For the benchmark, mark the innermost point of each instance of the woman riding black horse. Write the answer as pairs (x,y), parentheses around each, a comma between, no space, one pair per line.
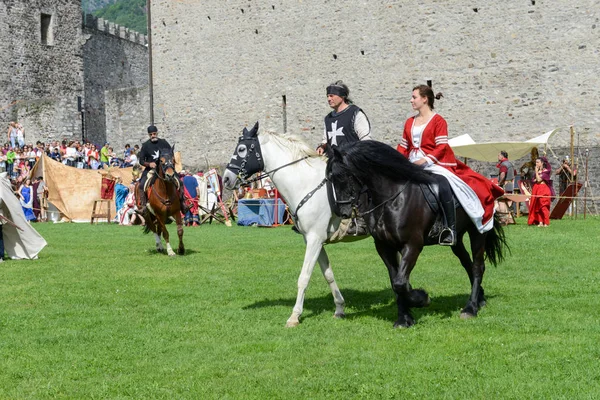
(402,221)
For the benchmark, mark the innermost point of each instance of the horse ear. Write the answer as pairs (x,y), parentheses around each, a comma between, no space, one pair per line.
(254,130)
(173,149)
(245,132)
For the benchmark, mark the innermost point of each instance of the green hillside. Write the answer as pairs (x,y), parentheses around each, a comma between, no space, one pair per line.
(89,6)
(128,13)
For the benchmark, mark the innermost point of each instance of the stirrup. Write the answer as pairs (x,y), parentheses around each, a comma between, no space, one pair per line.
(357,228)
(447,240)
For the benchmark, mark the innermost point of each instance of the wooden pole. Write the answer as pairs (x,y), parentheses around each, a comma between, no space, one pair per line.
(585,191)
(573,164)
(150,75)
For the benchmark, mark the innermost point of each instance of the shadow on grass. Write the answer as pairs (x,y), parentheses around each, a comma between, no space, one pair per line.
(379,304)
(188,252)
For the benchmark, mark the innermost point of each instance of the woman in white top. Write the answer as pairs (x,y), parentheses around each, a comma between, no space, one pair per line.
(21,135)
(12,134)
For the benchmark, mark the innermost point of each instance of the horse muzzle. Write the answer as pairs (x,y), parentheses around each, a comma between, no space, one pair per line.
(230,180)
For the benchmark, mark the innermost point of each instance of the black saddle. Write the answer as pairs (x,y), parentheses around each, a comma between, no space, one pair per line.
(432,193)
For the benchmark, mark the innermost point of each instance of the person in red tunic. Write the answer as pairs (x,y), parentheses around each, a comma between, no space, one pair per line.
(542,193)
(425,142)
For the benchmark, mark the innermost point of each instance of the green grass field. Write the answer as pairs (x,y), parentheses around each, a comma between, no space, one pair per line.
(101,315)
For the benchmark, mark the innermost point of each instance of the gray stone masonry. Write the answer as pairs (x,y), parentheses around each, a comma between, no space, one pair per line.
(115,58)
(40,82)
(127,112)
(44,72)
(509,70)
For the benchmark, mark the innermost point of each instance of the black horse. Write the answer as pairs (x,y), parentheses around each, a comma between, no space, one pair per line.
(401,221)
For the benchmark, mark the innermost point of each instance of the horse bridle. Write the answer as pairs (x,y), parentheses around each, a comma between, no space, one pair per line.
(354,200)
(254,148)
(163,166)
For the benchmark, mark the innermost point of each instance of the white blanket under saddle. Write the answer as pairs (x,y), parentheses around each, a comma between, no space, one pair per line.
(466,197)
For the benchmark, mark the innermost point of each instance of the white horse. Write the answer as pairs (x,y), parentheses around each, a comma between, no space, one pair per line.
(298,172)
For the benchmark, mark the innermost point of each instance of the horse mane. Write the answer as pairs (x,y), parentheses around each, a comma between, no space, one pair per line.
(166,151)
(295,144)
(369,157)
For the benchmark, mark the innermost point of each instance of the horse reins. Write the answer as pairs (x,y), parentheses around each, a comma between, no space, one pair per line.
(307,198)
(304,200)
(364,190)
(246,183)
(384,202)
(166,202)
(266,174)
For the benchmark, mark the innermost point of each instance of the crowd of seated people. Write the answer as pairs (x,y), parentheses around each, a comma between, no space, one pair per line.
(18,158)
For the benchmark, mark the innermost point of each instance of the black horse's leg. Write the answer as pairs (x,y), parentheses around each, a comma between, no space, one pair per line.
(399,276)
(463,255)
(477,299)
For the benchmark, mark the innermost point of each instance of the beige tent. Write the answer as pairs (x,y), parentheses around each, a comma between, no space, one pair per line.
(72,190)
(465,146)
(22,240)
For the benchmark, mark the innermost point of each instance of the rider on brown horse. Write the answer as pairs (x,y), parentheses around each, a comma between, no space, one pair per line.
(148,157)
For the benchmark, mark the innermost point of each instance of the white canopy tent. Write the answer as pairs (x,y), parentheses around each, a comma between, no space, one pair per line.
(465,146)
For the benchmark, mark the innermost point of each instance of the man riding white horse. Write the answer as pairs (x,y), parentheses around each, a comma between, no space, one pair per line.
(148,157)
(344,125)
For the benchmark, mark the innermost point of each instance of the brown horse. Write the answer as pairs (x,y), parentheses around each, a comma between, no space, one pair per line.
(163,203)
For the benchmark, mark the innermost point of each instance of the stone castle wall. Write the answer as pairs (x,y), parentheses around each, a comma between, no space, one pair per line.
(42,85)
(115,58)
(40,82)
(127,115)
(508,70)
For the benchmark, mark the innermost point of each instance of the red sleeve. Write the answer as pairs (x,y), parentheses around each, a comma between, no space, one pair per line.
(503,168)
(441,153)
(405,144)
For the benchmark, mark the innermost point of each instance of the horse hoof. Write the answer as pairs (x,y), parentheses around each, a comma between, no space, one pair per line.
(339,315)
(407,323)
(466,315)
(292,324)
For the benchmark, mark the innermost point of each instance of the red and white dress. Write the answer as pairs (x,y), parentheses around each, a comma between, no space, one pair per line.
(475,193)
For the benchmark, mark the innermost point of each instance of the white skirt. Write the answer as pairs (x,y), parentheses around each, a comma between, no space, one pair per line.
(466,197)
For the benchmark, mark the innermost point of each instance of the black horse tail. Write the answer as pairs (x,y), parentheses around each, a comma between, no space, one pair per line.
(495,243)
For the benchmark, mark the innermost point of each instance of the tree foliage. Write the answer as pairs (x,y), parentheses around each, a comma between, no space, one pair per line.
(128,13)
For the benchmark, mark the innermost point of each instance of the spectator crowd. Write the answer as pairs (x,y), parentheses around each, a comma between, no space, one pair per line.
(18,158)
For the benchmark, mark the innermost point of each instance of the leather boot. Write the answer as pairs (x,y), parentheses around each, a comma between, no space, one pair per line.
(184,207)
(141,200)
(448,234)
